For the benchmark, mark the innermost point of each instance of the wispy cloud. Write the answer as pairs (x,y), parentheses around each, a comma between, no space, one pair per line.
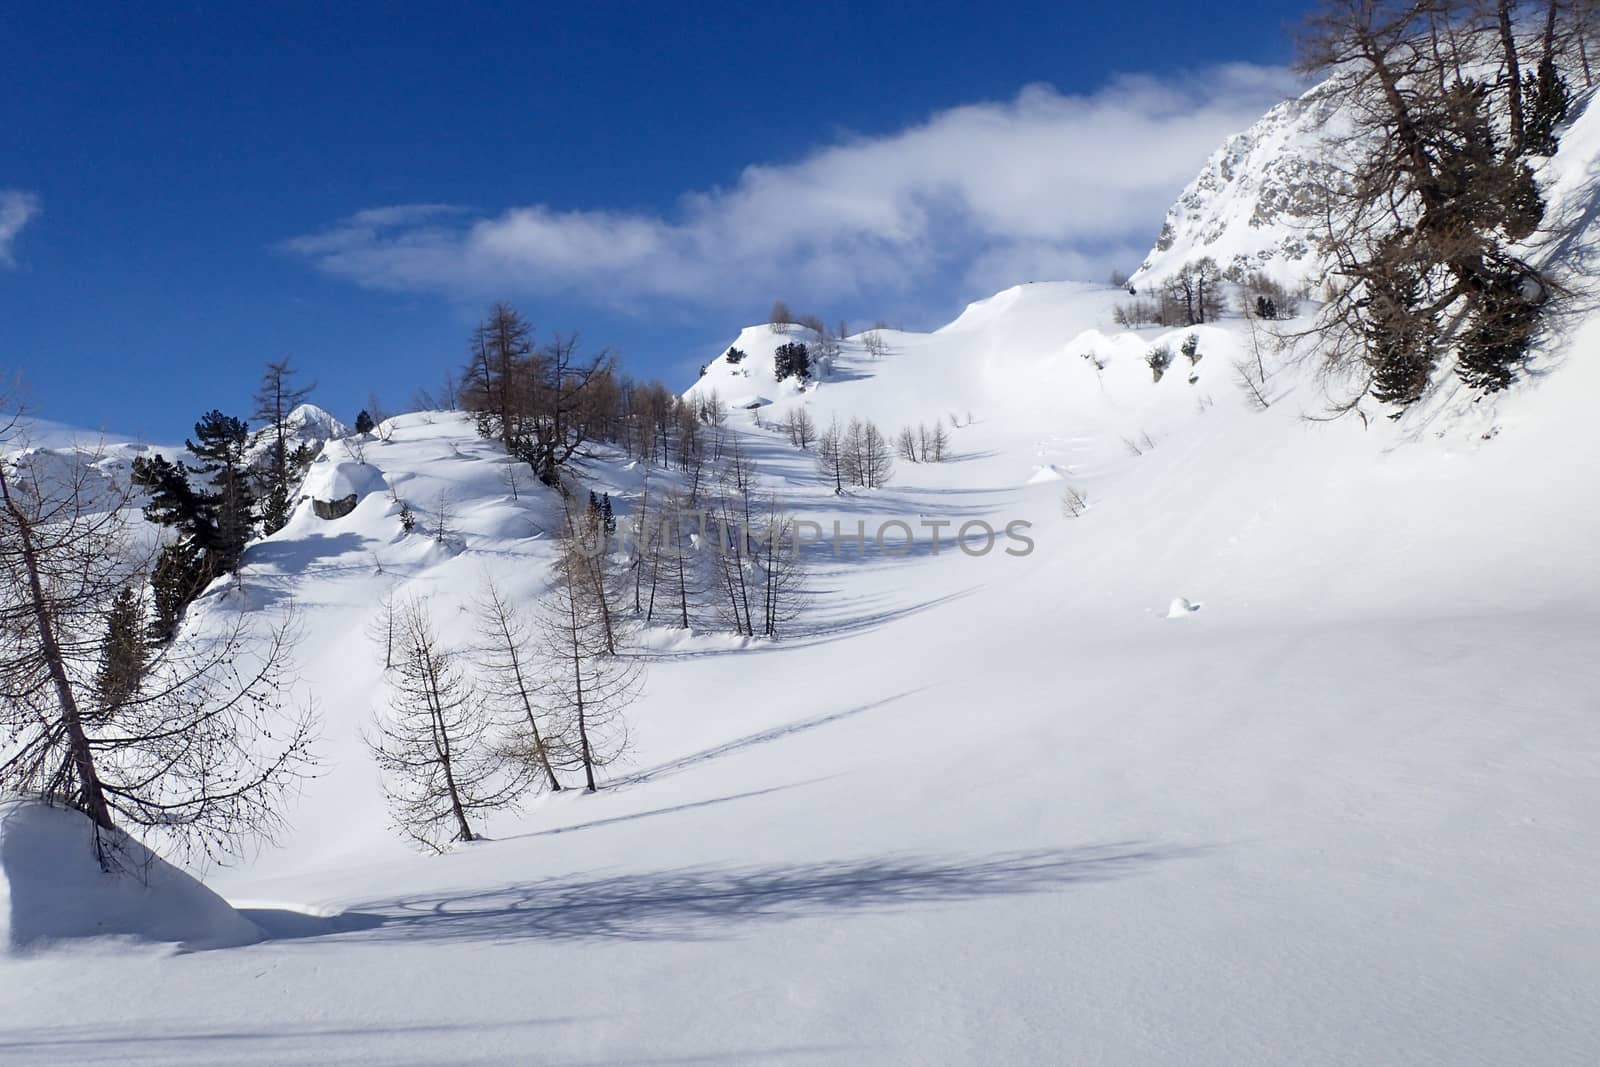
(1045,185)
(17,209)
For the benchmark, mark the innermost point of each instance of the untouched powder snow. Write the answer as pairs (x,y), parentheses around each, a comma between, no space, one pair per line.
(973,808)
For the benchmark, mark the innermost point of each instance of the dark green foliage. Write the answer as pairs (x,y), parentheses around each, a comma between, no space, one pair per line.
(608,518)
(1191,348)
(1266,308)
(213,526)
(123,653)
(1546,101)
(734,356)
(792,359)
(219,446)
(1158,359)
(179,576)
(1400,331)
(364,423)
(1500,327)
(408,518)
(173,501)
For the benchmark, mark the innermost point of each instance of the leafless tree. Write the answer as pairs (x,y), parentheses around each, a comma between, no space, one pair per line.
(435,742)
(1429,199)
(905,444)
(780,567)
(513,683)
(800,427)
(1073,503)
(831,457)
(1196,291)
(201,751)
(275,398)
(780,318)
(588,687)
(735,545)
(874,465)
(443,512)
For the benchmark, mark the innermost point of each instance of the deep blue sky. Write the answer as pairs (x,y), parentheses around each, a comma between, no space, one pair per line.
(173,149)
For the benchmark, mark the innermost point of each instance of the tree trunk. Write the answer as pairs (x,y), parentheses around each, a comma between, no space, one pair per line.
(1508,42)
(93,798)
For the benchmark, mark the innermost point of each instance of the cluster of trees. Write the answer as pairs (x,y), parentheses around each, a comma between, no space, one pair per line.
(923,444)
(193,739)
(1196,294)
(720,551)
(539,694)
(547,405)
(792,359)
(1452,101)
(855,454)
(217,505)
(800,428)
(828,341)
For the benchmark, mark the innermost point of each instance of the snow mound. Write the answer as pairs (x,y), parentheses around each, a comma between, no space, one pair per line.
(52,889)
(1181,607)
(1048,472)
(330,480)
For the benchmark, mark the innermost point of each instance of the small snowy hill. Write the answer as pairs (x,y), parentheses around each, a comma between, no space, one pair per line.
(1284,749)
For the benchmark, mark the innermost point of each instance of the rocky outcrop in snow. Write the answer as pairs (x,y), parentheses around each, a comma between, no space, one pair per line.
(1254,206)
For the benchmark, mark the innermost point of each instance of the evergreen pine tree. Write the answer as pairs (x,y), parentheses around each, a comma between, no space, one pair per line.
(792,359)
(180,574)
(123,653)
(364,423)
(608,518)
(219,447)
(1546,99)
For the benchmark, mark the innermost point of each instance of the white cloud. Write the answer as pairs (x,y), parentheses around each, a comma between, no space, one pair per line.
(17,209)
(1046,185)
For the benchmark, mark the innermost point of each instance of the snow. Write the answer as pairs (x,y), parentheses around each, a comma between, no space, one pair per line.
(975,809)
(52,888)
(1181,608)
(329,479)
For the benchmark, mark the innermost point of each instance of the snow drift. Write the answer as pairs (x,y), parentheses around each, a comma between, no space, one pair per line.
(52,888)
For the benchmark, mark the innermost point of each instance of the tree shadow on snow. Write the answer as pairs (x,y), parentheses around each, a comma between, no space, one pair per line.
(710,903)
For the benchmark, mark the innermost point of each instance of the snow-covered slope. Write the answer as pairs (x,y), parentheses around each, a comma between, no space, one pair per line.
(976,808)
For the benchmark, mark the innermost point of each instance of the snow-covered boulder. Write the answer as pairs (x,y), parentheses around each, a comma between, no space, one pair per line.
(52,888)
(336,488)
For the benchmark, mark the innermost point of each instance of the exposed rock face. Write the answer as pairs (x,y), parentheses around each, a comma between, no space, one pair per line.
(335,509)
(1256,204)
